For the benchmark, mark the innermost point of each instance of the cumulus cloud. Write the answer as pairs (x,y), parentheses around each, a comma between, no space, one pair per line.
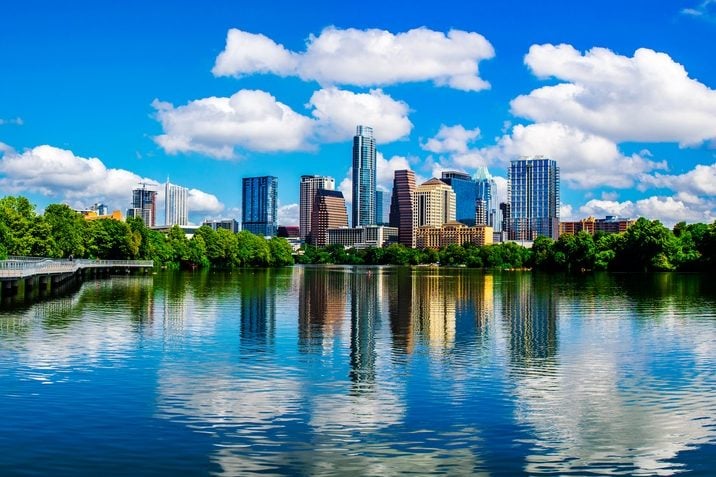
(451,139)
(254,120)
(647,97)
(668,210)
(339,111)
(81,181)
(700,181)
(369,57)
(288,214)
(215,126)
(585,160)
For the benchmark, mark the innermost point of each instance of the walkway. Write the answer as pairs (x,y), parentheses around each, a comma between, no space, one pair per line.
(23,267)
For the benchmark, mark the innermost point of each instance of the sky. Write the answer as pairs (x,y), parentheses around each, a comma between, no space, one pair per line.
(97,97)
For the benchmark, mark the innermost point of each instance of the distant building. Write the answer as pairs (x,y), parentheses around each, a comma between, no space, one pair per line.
(289,231)
(533,186)
(380,208)
(227,224)
(363,237)
(452,233)
(402,206)
(175,204)
(144,205)
(100,208)
(189,230)
(610,224)
(91,214)
(465,189)
(310,185)
(487,192)
(434,203)
(329,211)
(364,177)
(260,205)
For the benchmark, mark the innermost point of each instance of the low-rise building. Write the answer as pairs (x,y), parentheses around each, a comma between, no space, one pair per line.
(611,224)
(228,224)
(453,233)
(363,237)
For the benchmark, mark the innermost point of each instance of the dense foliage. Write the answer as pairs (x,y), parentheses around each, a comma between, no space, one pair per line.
(61,233)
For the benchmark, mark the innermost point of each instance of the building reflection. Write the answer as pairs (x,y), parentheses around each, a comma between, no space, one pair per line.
(321,308)
(529,310)
(400,310)
(258,309)
(364,295)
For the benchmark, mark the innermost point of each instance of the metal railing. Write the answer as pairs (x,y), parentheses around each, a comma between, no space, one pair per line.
(20,267)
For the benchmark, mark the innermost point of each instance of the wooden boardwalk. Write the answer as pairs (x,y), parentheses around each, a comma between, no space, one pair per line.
(23,267)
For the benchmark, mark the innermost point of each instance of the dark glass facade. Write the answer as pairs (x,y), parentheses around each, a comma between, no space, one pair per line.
(465,195)
(364,168)
(259,198)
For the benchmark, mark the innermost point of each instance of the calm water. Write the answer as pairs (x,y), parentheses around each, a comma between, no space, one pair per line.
(363,371)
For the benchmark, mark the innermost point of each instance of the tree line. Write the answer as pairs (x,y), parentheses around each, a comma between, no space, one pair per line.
(60,232)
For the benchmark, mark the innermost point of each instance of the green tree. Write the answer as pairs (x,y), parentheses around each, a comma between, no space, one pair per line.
(281,252)
(67,229)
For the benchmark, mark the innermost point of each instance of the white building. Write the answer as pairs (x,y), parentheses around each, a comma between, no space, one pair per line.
(175,205)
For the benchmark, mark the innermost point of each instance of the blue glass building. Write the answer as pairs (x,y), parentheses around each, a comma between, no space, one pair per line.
(533,186)
(364,167)
(465,195)
(487,194)
(259,199)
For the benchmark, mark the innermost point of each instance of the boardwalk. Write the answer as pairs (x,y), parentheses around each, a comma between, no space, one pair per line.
(24,267)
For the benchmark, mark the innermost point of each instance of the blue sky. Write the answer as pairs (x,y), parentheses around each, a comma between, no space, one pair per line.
(96,97)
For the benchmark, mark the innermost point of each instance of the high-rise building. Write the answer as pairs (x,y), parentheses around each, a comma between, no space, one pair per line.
(465,195)
(380,207)
(533,186)
(329,211)
(364,171)
(402,205)
(144,205)
(434,203)
(260,205)
(175,204)
(486,190)
(310,184)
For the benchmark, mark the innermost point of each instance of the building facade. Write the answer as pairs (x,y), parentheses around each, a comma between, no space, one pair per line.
(402,205)
(465,189)
(486,191)
(364,177)
(310,185)
(259,198)
(610,224)
(175,204)
(329,211)
(144,205)
(434,203)
(452,233)
(227,224)
(380,208)
(362,237)
(533,187)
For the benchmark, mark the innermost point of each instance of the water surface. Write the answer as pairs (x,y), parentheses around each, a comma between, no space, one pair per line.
(363,371)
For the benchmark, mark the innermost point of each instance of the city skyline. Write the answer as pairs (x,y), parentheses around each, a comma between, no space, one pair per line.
(626,109)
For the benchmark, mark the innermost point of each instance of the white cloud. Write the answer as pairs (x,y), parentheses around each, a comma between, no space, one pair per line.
(288,214)
(346,187)
(369,57)
(700,181)
(565,212)
(56,172)
(585,160)
(648,97)
(385,169)
(14,121)
(451,139)
(706,9)
(668,210)
(248,53)
(339,111)
(214,126)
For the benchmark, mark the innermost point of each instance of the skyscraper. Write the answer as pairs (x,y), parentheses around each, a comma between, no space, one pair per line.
(175,204)
(310,185)
(434,203)
(259,205)
(329,211)
(487,191)
(144,205)
(533,186)
(465,195)
(364,168)
(379,199)
(402,205)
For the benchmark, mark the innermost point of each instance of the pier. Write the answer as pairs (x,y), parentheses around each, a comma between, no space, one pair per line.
(25,278)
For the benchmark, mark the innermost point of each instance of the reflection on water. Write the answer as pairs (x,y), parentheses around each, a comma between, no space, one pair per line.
(363,370)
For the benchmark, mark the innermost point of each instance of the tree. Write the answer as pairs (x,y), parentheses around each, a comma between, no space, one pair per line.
(66,229)
(281,252)
(648,245)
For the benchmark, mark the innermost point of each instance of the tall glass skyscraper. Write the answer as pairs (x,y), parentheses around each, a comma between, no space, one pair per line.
(259,198)
(487,193)
(144,205)
(533,186)
(465,195)
(175,204)
(364,167)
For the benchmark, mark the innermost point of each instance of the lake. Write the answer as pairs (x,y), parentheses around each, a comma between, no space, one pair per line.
(363,371)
